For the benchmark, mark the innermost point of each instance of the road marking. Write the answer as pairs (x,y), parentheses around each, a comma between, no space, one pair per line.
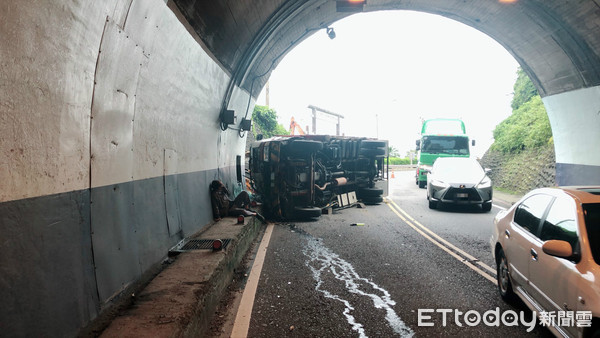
(499,207)
(421,229)
(326,264)
(448,244)
(242,319)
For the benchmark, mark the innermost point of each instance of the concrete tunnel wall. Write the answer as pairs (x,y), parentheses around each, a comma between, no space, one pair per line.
(110,137)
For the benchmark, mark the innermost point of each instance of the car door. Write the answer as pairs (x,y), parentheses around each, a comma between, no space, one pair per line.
(520,235)
(553,280)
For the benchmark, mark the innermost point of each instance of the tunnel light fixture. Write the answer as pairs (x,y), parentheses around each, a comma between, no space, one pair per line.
(350,5)
(246,124)
(330,33)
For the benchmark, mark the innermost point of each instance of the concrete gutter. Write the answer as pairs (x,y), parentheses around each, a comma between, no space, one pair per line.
(182,299)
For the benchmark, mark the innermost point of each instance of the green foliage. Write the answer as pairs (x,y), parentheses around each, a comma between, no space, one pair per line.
(393,151)
(266,120)
(528,127)
(524,90)
(399,160)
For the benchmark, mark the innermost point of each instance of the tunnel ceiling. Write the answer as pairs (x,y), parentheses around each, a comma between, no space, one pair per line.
(557,42)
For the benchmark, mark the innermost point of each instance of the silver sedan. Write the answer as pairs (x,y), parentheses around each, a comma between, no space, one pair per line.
(459,180)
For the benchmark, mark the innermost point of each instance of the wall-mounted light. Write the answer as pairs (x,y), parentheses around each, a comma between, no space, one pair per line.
(246,124)
(330,33)
(350,5)
(226,118)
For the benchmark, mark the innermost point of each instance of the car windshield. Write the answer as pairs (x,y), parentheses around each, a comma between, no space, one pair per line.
(456,169)
(592,223)
(446,145)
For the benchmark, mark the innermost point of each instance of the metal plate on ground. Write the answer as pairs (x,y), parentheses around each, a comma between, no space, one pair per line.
(197,244)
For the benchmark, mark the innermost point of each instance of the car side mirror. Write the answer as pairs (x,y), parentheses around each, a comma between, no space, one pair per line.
(557,248)
(473,143)
(418,143)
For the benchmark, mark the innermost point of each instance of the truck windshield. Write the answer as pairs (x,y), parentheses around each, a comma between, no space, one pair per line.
(446,145)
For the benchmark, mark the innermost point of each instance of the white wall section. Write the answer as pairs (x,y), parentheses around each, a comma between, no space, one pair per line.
(575,120)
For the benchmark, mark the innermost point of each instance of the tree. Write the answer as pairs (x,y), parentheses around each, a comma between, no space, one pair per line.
(528,126)
(266,120)
(393,151)
(524,90)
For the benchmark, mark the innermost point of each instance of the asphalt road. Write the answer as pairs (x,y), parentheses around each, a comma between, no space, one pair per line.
(331,279)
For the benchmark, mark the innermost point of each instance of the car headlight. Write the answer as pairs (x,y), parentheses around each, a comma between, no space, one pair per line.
(485,183)
(439,184)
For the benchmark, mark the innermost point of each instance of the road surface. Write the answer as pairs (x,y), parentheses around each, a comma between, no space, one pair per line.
(408,271)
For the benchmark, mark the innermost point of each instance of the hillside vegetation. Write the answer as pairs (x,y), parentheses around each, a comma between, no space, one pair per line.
(522,155)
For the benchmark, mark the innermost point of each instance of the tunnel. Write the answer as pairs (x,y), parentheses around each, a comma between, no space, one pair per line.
(116,115)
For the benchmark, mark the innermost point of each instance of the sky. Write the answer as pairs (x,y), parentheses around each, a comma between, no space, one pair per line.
(386,71)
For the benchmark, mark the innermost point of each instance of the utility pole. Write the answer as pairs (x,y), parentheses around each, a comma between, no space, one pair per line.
(314,118)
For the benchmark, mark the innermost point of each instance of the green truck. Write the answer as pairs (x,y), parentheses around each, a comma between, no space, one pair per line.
(440,138)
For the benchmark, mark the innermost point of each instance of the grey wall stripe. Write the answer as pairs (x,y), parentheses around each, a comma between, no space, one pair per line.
(47,282)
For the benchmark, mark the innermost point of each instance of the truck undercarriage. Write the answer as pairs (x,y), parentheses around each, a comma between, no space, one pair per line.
(297,177)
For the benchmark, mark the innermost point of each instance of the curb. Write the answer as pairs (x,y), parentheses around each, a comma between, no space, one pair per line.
(220,280)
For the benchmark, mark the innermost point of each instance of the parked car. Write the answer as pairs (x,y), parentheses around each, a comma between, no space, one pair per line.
(459,180)
(547,251)
(296,177)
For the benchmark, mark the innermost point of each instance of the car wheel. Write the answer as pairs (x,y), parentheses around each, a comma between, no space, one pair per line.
(432,204)
(503,277)
(422,184)
(486,206)
(372,200)
(307,212)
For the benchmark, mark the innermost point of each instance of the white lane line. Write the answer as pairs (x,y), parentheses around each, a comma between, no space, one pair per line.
(242,318)
(499,207)
(448,244)
(324,263)
(450,252)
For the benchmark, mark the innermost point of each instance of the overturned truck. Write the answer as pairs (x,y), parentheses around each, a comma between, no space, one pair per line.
(297,177)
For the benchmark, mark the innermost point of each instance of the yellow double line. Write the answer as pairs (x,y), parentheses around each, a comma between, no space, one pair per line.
(452,250)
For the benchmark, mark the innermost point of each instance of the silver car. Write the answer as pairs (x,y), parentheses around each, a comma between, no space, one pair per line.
(459,180)
(547,251)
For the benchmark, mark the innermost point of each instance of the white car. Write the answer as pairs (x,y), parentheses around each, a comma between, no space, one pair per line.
(547,251)
(459,180)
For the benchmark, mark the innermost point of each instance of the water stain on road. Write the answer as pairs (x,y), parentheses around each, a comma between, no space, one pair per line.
(325,265)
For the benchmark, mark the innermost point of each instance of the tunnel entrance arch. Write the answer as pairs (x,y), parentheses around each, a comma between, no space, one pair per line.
(557,44)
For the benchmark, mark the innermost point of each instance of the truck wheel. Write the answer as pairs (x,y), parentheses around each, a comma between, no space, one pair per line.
(372,200)
(486,206)
(422,184)
(372,152)
(372,144)
(303,213)
(304,147)
(370,192)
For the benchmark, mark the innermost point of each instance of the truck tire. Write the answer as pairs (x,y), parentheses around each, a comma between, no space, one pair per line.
(303,213)
(369,144)
(372,200)
(370,192)
(422,184)
(304,147)
(372,152)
